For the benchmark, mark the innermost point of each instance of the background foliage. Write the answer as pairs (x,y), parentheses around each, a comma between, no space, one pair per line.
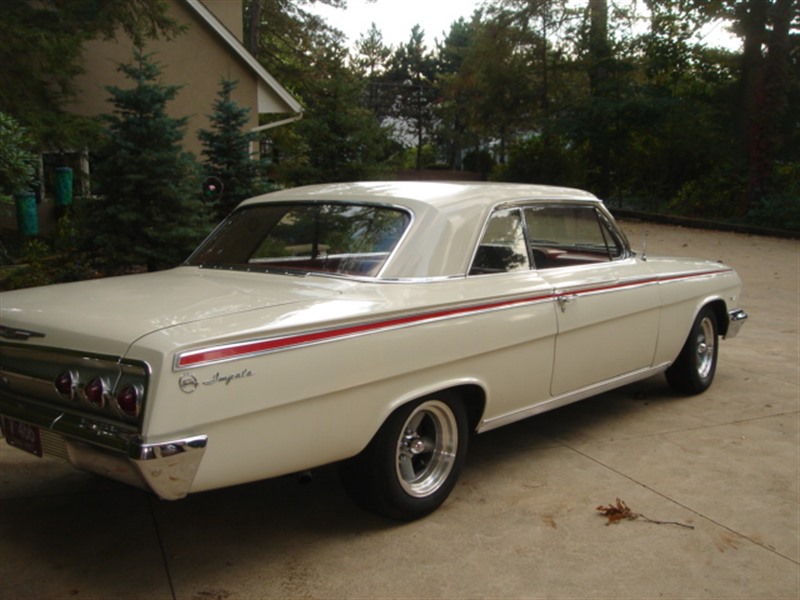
(226,153)
(625,98)
(151,214)
(17,159)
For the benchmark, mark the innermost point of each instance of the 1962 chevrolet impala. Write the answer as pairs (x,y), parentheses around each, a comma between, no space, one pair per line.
(372,324)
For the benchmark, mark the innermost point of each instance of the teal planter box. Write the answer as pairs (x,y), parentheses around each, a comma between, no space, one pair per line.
(63,186)
(27,213)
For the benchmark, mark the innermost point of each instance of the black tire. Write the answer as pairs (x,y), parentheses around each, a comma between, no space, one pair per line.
(693,370)
(412,464)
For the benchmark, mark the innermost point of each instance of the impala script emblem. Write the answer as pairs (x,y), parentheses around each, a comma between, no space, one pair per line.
(189,383)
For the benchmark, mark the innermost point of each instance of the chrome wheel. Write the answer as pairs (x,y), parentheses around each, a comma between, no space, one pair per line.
(426,450)
(706,347)
(694,368)
(413,462)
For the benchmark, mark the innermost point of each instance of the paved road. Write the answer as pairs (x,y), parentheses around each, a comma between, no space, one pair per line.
(522,521)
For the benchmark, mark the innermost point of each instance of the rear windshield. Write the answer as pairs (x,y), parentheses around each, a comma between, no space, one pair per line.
(300,238)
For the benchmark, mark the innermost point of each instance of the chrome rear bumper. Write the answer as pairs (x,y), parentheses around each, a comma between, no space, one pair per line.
(166,468)
(101,439)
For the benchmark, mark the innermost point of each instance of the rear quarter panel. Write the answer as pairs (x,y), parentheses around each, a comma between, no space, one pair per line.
(303,406)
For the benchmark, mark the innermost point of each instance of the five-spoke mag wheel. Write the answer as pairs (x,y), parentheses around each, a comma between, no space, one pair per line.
(427,448)
(413,462)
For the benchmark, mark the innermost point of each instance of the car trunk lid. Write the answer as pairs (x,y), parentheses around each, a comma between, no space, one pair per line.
(106,315)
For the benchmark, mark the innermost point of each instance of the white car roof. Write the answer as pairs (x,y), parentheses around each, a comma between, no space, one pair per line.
(448,216)
(434,193)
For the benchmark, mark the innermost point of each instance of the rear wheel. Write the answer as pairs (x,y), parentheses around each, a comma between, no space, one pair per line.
(413,462)
(693,370)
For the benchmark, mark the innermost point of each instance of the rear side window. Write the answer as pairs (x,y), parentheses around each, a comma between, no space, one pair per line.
(502,247)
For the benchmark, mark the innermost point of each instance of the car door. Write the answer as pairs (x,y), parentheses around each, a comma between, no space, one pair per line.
(607,306)
(519,312)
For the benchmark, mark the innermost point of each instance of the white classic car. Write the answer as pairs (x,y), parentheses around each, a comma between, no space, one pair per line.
(374,324)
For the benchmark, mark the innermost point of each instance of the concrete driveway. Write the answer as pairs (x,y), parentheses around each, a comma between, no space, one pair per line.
(522,522)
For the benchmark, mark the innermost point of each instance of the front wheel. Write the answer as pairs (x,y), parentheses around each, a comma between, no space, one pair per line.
(413,462)
(693,370)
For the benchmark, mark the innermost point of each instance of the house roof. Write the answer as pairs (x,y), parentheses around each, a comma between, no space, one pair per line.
(266,82)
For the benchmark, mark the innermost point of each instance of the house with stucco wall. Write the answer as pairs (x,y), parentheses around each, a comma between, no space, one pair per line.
(210,48)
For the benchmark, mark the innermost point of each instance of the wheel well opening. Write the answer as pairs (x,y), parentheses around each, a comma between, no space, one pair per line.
(474,399)
(721,313)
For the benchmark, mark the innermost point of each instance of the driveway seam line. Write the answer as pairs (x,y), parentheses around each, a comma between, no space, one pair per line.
(691,510)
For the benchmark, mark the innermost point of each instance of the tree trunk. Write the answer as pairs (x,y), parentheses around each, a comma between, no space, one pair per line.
(751,135)
(253,26)
(765,82)
(598,71)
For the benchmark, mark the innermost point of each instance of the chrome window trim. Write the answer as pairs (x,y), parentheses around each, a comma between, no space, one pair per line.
(602,214)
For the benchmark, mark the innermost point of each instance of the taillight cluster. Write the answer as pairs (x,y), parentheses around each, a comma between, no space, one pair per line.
(97,393)
(66,383)
(129,400)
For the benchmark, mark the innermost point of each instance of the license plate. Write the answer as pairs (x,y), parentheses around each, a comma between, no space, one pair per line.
(23,436)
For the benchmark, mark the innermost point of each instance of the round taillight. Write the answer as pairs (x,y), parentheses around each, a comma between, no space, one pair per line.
(129,400)
(65,384)
(95,392)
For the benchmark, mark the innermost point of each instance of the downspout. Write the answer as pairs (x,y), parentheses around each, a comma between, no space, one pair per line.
(268,126)
(261,128)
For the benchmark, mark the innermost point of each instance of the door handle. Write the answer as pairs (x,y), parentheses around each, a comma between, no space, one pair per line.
(565,299)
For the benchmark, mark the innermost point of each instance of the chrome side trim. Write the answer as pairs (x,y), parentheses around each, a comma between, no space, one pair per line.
(12,333)
(736,319)
(202,357)
(217,354)
(570,397)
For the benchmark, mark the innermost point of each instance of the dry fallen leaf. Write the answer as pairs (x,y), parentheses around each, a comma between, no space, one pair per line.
(619,511)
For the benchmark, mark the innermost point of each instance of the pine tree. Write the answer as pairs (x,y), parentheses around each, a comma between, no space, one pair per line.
(149,212)
(41,50)
(226,148)
(17,162)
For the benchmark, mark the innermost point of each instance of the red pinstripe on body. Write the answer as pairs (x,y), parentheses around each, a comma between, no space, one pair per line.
(203,356)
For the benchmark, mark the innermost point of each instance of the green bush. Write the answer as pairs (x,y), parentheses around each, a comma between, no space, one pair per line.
(713,196)
(17,161)
(781,209)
